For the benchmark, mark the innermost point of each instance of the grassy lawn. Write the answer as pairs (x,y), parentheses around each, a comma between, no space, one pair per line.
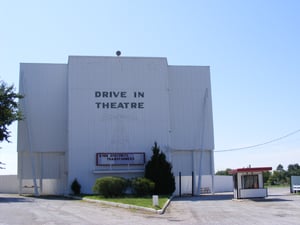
(132,200)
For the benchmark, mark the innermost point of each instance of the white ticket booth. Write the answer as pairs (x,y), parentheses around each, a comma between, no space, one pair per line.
(248,182)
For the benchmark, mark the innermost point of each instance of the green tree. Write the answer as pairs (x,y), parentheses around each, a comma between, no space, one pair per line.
(9,110)
(293,170)
(159,170)
(279,167)
(266,176)
(223,172)
(2,164)
(279,176)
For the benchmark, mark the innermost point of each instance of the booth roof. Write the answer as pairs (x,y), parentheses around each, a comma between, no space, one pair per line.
(254,169)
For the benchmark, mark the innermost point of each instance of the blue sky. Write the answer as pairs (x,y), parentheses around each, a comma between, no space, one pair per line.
(252,48)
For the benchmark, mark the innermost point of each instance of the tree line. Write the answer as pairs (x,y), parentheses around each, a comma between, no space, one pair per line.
(280,176)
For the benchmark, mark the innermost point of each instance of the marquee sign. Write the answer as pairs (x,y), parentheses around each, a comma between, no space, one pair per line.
(120,158)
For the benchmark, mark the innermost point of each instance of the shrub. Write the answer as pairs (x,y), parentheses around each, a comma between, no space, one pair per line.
(110,186)
(76,187)
(142,186)
(159,170)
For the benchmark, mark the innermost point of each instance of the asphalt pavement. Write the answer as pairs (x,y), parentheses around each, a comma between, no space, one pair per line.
(280,207)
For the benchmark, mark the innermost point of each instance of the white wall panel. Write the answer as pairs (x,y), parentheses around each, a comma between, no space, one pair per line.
(9,184)
(44,87)
(223,183)
(93,129)
(190,108)
(46,165)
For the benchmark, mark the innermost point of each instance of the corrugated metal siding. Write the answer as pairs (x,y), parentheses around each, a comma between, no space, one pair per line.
(49,165)
(190,108)
(44,106)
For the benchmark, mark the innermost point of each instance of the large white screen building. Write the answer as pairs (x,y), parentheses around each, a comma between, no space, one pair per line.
(100,116)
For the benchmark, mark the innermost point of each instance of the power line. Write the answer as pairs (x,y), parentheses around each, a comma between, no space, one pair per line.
(261,144)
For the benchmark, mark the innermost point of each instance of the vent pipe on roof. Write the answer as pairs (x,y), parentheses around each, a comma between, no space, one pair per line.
(118,53)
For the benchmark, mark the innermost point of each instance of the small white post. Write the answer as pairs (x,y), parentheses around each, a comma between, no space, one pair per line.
(155,200)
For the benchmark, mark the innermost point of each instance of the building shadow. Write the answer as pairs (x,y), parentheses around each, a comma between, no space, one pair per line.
(58,197)
(206,197)
(14,199)
(270,200)
(6,198)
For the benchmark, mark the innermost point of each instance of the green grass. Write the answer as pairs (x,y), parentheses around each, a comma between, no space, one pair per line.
(131,200)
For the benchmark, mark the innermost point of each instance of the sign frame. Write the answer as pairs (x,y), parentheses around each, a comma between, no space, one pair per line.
(116,158)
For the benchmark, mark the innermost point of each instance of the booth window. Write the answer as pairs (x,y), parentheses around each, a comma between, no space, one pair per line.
(250,181)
